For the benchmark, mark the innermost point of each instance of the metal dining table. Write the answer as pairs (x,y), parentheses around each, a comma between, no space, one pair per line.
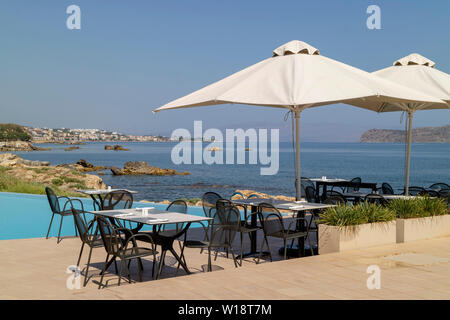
(296,207)
(98,195)
(324,183)
(156,218)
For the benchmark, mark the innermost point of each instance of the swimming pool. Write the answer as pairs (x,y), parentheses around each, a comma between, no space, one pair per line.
(28,216)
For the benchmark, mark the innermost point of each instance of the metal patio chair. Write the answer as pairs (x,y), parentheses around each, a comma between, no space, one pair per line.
(375,198)
(87,237)
(386,188)
(273,225)
(55,206)
(439,186)
(116,243)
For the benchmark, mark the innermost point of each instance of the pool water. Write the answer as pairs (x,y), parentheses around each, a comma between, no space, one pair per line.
(28,216)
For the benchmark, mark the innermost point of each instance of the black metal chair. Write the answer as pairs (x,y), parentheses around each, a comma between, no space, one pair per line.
(430,193)
(415,191)
(445,194)
(55,206)
(85,231)
(116,243)
(237,195)
(274,226)
(222,231)
(335,199)
(121,199)
(244,227)
(439,186)
(386,188)
(336,196)
(375,198)
(356,188)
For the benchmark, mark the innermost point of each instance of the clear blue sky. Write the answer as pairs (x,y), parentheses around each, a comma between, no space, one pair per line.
(133,56)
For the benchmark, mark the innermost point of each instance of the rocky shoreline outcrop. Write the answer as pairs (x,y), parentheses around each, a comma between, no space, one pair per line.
(65,178)
(143,168)
(116,147)
(19,146)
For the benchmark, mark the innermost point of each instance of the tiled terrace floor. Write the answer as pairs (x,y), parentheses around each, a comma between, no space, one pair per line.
(36,269)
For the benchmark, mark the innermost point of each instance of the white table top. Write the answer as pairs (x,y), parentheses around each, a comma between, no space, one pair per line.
(102,191)
(328,180)
(284,204)
(153,217)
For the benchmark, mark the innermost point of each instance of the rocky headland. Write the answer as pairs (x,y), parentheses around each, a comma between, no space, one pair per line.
(425,134)
(7,146)
(40,174)
(143,168)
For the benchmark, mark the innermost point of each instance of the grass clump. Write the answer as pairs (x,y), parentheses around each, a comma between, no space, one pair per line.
(57,182)
(418,207)
(192,200)
(344,215)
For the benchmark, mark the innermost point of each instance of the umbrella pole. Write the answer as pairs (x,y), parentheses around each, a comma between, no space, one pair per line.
(408,152)
(297,156)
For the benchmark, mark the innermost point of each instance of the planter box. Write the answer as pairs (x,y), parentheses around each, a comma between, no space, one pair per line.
(336,239)
(423,228)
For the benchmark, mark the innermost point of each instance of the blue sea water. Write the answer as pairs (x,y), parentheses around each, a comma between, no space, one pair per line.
(430,162)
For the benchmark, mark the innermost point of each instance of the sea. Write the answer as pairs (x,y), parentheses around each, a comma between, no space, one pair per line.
(373,162)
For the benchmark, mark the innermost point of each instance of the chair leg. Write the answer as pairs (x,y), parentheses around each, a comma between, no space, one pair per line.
(234,257)
(51,221)
(59,232)
(242,247)
(181,257)
(103,271)
(268,248)
(79,256)
(128,271)
(209,260)
(140,269)
(285,249)
(87,267)
(122,262)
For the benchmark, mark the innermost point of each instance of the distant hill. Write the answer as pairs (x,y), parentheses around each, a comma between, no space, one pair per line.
(13,132)
(425,134)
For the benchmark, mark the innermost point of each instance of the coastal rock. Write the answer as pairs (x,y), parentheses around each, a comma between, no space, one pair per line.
(84,163)
(19,146)
(246,193)
(142,167)
(116,147)
(63,177)
(71,148)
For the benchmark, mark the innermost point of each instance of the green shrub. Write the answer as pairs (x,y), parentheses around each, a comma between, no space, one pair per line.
(57,182)
(13,132)
(344,215)
(418,207)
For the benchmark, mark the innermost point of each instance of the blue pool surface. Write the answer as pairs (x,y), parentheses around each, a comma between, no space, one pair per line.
(28,216)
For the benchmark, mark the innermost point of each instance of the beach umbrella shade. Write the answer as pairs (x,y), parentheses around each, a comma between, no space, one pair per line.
(298,77)
(419,73)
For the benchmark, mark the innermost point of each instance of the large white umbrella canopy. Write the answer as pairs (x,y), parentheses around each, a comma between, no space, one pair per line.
(419,73)
(297,77)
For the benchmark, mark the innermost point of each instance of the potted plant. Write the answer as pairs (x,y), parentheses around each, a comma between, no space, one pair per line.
(421,218)
(351,227)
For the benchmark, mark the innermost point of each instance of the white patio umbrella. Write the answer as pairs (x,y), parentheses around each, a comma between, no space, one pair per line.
(417,72)
(297,77)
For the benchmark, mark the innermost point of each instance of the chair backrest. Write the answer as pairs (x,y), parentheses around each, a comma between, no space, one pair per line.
(179,206)
(237,195)
(375,198)
(110,236)
(120,199)
(439,186)
(253,196)
(81,226)
(52,200)
(336,200)
(310,194)
(430,193)
(356,188)
(445,194)
(209,200)
(334,197)
(386,188)
(225,224)
(271,219)
(306,182)
(416,191)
